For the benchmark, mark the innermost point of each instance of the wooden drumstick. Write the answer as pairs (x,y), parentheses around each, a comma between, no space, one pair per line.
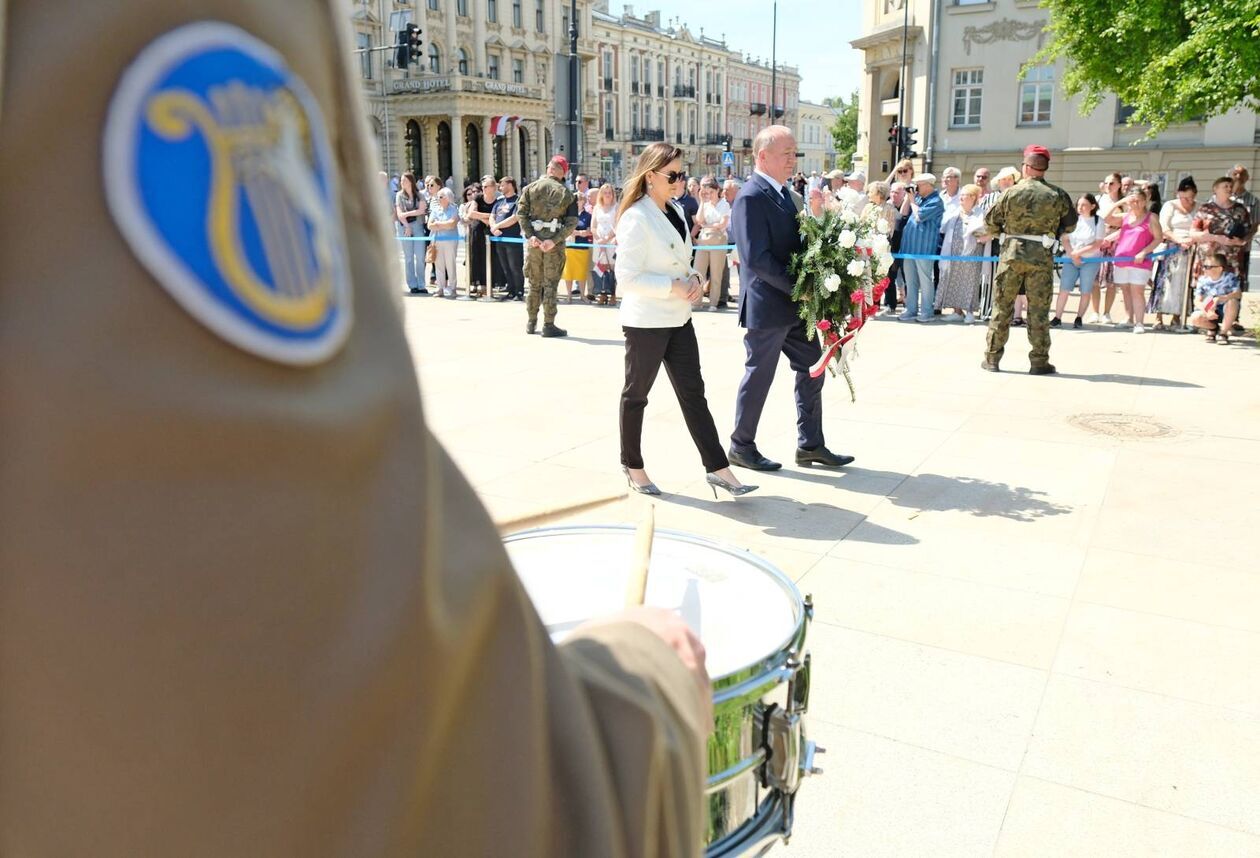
(636,587)
(542,516)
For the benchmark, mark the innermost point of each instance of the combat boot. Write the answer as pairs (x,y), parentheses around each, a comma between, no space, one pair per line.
(1042,369)
(531,326)
(989,364)
(550,330)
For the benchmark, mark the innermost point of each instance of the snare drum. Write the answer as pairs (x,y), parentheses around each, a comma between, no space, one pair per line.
(752,621)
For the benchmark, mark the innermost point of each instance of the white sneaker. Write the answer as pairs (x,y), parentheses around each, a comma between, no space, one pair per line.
(969,318)
(1106,319)
(1138,329)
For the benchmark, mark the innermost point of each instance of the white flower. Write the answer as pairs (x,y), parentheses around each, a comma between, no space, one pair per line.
(856,267)
(879,244)
(882,266)
(848,238)
(831,283)
(881,226)
(863,242)
(847,216)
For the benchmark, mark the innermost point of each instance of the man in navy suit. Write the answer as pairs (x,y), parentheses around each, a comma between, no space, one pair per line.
(763,221)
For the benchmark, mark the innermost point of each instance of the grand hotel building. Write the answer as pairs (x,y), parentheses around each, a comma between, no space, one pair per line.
(501,66)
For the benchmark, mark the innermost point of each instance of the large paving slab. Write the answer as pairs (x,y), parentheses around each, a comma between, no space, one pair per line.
(1038,598)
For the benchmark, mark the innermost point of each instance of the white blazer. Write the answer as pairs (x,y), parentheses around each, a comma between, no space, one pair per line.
(651,255)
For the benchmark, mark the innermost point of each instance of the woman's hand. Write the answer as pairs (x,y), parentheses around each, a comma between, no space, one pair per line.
(689,290)
(1140,256)
(407,231)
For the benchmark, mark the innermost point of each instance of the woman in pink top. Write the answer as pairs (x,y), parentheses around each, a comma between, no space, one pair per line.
(1138,235)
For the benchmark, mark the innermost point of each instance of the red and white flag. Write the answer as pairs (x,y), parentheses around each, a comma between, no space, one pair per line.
(500,125)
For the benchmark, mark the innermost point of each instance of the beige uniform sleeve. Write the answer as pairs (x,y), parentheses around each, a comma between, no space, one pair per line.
(250,609)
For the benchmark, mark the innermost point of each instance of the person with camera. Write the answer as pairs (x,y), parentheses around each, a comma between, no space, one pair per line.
(1221,225)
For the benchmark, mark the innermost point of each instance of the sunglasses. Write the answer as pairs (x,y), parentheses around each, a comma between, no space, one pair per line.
(672,176)
(1213,268)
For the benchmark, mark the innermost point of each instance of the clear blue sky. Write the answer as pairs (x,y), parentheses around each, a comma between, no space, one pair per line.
(814,35)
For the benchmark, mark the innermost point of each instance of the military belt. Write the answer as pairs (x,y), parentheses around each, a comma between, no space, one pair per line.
(1044,240)
(545,224)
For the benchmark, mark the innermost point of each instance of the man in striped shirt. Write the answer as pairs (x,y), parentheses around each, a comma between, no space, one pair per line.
(920,236)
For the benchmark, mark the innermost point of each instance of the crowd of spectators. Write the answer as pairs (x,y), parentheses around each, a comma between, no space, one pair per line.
(927,217)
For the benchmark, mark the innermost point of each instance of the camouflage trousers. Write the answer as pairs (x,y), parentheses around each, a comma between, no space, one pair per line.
(1037,281)
(543,270)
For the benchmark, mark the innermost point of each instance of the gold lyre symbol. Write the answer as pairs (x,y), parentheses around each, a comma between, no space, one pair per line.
(258,145)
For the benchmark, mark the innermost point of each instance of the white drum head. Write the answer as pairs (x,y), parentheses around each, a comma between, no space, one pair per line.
(742,608)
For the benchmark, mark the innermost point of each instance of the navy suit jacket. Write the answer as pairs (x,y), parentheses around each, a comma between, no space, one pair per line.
(766,234)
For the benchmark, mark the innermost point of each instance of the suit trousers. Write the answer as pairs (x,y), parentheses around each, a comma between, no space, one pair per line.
(762,347)
(511,259)
(677,349)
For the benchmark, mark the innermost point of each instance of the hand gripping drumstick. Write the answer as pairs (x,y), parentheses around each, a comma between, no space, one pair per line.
(636,587)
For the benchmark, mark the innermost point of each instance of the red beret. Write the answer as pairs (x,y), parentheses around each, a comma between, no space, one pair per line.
(561,162)
(1037,150)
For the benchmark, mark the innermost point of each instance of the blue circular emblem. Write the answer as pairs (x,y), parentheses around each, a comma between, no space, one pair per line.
(219,174)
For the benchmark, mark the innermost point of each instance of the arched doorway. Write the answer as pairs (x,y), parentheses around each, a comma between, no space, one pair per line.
(415,149)
(500,156)
(527,170)
(472,151)
(444,151)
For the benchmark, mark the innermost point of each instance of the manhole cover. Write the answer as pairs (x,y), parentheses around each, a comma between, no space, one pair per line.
(1122,425)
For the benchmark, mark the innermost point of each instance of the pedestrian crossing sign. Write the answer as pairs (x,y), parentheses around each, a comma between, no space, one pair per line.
(728,159)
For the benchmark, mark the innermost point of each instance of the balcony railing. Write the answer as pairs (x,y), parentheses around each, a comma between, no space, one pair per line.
(607,84)
(708,98)
(778,113)
(650,134)
(717,99)
(691,138)
(716,139)
(634,87)
(684,91)
(660,90)
(747,141)
(678,137)
(757,108)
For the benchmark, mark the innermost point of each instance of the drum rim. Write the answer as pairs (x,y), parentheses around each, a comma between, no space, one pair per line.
(793,643)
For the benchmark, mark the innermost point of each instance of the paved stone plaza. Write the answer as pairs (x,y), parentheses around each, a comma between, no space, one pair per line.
(1038,598)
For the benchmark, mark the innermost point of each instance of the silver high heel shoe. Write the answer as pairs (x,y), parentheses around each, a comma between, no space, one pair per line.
(649,489)
(715,482)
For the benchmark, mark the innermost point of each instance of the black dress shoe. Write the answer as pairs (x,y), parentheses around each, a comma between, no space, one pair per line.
(550,330)
(821,456)
(754,461)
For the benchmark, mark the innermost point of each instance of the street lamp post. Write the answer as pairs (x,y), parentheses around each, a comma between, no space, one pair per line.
(574,112)
(774,65)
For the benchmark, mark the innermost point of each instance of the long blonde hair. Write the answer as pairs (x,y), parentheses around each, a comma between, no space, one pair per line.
(653,158)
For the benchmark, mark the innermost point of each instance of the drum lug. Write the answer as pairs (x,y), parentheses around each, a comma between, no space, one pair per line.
(809,607)
(798,685)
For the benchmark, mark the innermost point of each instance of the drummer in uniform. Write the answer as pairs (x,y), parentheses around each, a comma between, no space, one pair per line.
(548,215)
(250,607)
(1027,219)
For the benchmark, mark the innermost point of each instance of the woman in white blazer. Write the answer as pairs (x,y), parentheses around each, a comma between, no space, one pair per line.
(658,286)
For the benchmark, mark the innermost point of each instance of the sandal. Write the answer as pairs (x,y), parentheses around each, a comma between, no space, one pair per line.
(1211,336)
(1223,338)
(1159,326)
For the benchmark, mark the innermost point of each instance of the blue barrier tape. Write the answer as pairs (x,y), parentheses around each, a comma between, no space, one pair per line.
(1088,259)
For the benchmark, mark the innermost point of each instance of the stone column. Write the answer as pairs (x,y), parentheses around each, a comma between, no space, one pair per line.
(479,36)
(487,148)
(452,39)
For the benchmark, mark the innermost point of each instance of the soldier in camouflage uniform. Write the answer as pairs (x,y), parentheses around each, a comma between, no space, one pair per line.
(548,215)
(1028,217)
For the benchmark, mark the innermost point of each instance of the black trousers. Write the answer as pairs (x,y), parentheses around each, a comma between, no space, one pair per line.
(511,259)
(677,349)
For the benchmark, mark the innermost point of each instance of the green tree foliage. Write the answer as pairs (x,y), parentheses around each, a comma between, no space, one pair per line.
(845,129)
(1171,60)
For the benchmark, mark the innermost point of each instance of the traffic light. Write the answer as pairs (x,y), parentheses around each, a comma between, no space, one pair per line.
(409,42)
(908,142)
(894,135)
(726,144)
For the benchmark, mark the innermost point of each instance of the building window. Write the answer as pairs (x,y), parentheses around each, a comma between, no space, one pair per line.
(608,65)
(968,84)
(435,59)
(660,119)
(516,13)
(1036,96)
(492,11)
(461,8)
(538,16)
(542,72)
(634,116)
(363,41)
(461,61)
(492,66)
(433,4)
(518,71)
(608,113)
(634,69)
(660,73)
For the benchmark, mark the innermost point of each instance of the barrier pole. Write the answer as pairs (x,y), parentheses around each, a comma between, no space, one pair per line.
(489,296)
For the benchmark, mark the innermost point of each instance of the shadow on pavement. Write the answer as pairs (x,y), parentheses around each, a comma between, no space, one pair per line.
(793,519)
(934,492)
(591,342)
(1109,378)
